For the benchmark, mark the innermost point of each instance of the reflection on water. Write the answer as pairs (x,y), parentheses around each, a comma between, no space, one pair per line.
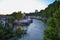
(35,31)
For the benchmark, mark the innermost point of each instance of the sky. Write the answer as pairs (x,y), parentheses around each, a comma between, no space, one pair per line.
(9,6)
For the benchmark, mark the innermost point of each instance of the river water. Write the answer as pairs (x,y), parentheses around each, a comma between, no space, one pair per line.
(35,31)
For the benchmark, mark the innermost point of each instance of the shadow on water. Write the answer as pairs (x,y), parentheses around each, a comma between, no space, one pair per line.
(35,31)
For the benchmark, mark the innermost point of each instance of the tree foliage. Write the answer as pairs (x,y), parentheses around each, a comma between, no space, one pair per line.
(50,34)
(7,34)
(53,14)
(17,15)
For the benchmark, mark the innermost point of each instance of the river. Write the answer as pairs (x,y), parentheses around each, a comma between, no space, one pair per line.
(35,31)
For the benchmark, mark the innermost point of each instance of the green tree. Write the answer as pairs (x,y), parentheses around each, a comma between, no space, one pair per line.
(17,15)
(51,22)
(52,13)
(50,34)
(57,18)
(2,32)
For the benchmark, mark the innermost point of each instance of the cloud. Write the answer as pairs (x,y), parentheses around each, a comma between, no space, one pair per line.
(9,6)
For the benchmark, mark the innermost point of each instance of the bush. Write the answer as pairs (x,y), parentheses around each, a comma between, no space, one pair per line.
(6,34)
(50,34)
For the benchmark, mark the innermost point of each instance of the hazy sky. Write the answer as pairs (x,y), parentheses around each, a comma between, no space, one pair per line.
(9,6)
